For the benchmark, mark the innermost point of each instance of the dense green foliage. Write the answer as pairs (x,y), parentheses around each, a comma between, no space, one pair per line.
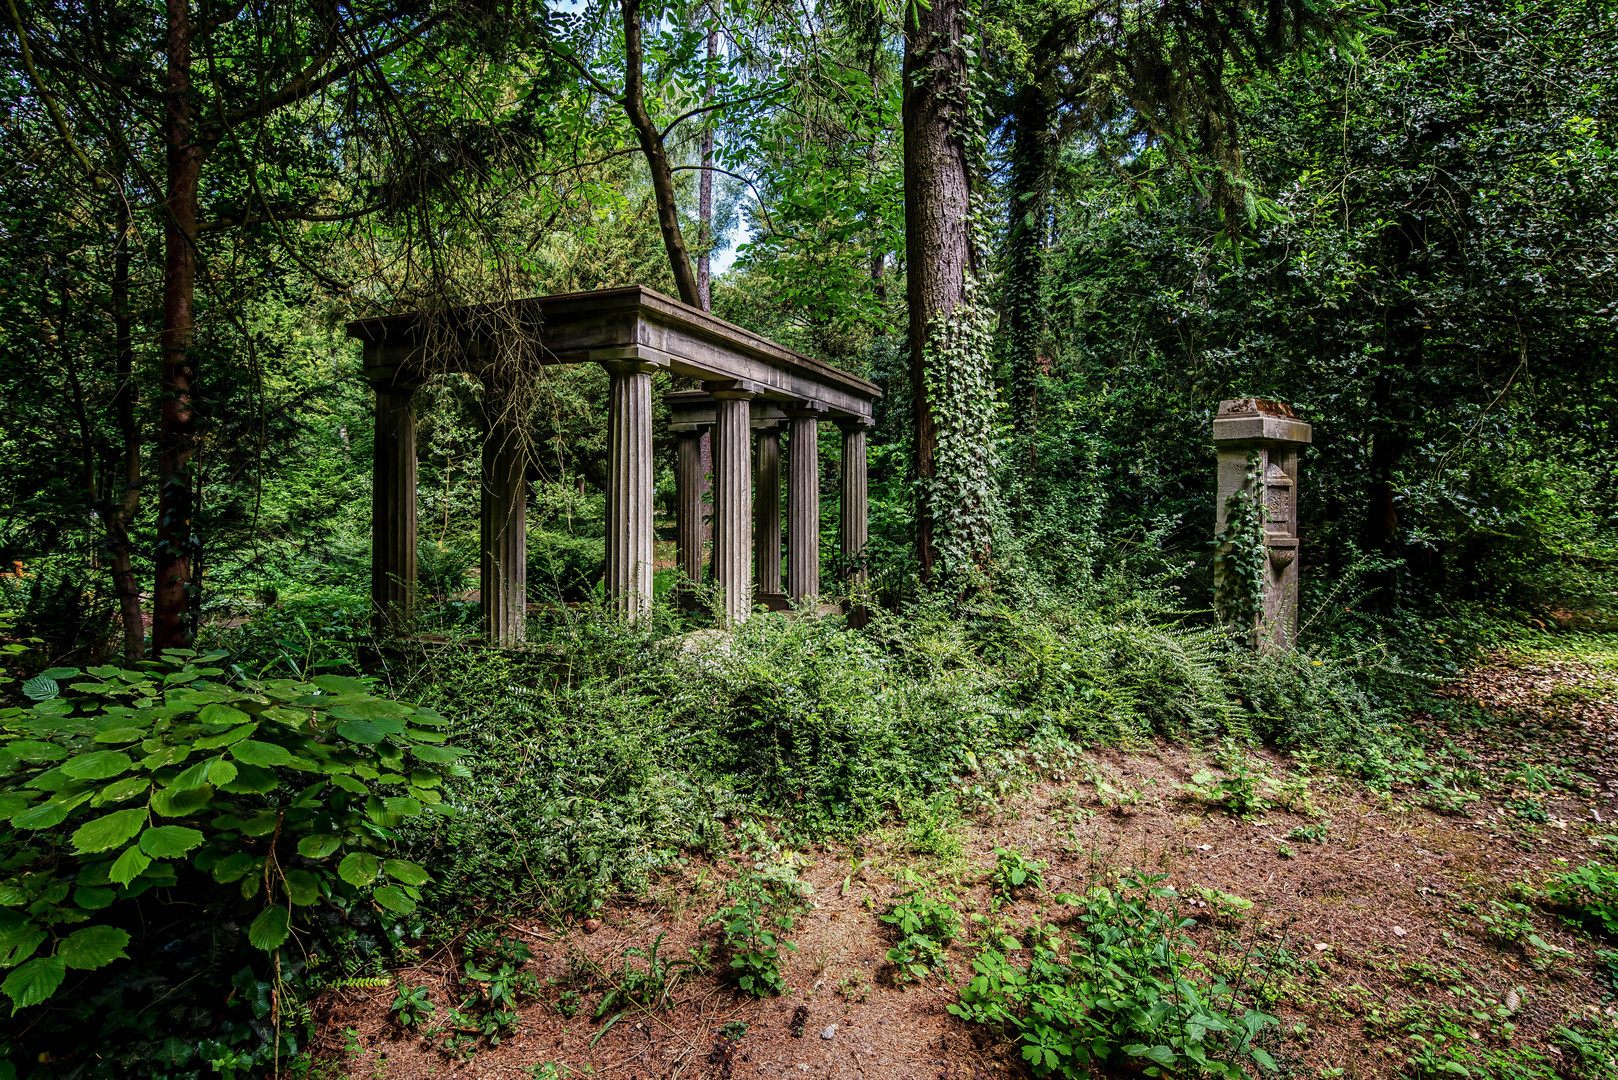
(1410,234)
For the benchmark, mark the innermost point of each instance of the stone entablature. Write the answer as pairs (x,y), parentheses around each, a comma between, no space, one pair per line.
(748,383)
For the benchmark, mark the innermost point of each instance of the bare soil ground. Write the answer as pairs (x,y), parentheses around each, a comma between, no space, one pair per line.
(1361,941)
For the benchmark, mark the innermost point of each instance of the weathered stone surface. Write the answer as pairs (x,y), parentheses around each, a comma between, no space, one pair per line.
(803,502)
(767,513)
(1272,431)
(854,523)
(690,484)
(503,520)
(393,506)
(629,490)
(733,503)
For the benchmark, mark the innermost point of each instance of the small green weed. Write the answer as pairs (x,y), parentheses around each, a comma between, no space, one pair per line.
(1310,834)
(926,929)
(650,988)
(1014,871)
(754,925)
(1237,794)
(412,1007)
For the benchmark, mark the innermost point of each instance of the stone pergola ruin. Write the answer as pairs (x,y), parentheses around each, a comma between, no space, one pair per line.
(748,385)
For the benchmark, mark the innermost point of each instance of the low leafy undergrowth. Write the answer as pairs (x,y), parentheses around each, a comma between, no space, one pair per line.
(124,791)
(1118,992)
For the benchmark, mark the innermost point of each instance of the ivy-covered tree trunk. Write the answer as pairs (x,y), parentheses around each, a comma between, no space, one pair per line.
(177,432)
(1024,313)
(938,214)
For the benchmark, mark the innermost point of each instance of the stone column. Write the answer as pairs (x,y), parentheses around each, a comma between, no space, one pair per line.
(767,516)
(503,520)
(393,505)
(853,527)
(1258,442)
(733,504)
(689,484)
(629,488)
(803,501)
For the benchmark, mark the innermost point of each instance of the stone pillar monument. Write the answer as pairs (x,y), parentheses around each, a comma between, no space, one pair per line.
(689,486)
(803,500)
(503,521)
(393,501)
(767,515)
(733,494)
(854,521)
(1258,442)
(629,488)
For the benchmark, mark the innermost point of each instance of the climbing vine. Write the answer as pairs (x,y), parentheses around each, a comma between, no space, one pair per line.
(960,388)
(1239,552)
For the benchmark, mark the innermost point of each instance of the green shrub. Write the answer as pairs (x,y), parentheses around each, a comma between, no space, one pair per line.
(926,928)
(1588,895)
(1120,998)
(182,775)
(563,565)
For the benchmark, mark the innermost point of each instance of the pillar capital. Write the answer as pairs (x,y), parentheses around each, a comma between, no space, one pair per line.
(732,389)
(631,359)
(806,410)
(851,424)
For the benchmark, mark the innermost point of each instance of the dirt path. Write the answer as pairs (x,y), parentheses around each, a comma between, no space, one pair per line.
(1379,923)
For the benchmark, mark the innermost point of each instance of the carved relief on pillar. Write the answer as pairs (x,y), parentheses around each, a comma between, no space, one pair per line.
(1247,428)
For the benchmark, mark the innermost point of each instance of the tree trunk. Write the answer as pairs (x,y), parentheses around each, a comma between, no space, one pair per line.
(657,158)
(122,507)
(937,189)
(705,198)
(177,431)
(1025,263)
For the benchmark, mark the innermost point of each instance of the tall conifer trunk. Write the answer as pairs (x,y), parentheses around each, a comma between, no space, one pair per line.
(122,505)
(938,229)
(177,431)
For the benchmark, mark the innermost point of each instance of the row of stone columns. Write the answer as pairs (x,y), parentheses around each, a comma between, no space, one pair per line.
(744,529)
(747,526)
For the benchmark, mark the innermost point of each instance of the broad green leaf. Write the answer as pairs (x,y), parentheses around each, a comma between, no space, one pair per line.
(251,780)
(98,765)
(195,776)
(407,808)
(92,947)
(221,771)
(341,684)
(372,709)
(105,833)
(233,866)
(127,788)
(93,898)
(222,714)
(234,735)
(395,899)
(34,750)
(367,732)
(34,982)
(44,816)
(302,887)
(350,785)
(405,871)
(40,688)
(182,803)
(319,845)
(435,755)
(260,824)
(12,804)
(169,841)
(129,866)
(270,929)
(60,672)
(260,753)
(19,943)
(119,734)
(358,868)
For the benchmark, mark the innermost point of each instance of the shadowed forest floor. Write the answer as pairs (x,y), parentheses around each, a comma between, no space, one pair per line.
(1377,926)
